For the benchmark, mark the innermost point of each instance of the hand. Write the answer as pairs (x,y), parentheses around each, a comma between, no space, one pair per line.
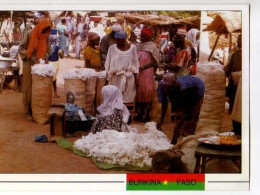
(46,60)
(159,126)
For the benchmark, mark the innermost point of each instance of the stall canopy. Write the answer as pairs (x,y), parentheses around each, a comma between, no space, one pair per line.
(73,13)
(155,20)
(225,22)
(15,15)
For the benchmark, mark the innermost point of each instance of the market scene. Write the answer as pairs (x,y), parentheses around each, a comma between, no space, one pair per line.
(119,92)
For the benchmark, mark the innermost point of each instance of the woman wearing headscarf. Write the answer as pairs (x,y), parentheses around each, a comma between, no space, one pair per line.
(122,67)
(34,46)
(63,36)
(113,114)
(193,37)
(149,58)
(92,53)
(186,95)
(180,64)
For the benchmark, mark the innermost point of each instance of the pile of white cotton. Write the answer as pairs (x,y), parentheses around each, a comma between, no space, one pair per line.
(124,148)
(43,70)
(80,73)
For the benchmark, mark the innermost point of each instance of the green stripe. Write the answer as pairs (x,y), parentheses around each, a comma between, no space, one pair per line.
(169,186)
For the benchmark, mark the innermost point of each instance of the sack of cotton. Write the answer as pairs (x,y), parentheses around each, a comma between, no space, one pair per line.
(213,108)
(42,77)
(75,87)
(101,81)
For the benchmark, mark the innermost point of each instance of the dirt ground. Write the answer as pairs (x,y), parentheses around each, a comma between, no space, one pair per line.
(20,154)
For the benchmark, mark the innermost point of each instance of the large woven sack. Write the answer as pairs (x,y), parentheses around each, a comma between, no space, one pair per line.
(90,94)
(100,84)
(41,98)
(75,90)
(213,108)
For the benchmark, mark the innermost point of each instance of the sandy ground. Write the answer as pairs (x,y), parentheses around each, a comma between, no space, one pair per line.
(20,154)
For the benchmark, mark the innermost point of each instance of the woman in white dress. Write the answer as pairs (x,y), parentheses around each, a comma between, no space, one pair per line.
(122,67)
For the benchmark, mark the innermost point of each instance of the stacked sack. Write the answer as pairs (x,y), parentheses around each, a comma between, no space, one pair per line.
(101,82)
(82,85)
(42,75)
(212,111)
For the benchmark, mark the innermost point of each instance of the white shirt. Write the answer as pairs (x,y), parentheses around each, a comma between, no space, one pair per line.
(118,60)
(121,67)
(80,30)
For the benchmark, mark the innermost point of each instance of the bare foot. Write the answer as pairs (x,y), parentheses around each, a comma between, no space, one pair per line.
(56,96)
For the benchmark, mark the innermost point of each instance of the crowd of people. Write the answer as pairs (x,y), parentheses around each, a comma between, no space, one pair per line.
(130,57)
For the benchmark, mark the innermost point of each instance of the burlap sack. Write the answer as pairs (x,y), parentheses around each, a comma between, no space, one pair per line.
(41,98)
(75,90)
(90,94)
(100,84)
(213,108)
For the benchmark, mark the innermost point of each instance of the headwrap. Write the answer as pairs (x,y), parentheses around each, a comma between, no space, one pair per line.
(169,79)
(38,41)
(182,32)
(121,35)
(113,99)
(191,36)
(150,47)
(116,28)
(93,36)
(147,31)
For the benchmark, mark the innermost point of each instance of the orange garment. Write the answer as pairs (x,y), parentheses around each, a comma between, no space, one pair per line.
(38,40)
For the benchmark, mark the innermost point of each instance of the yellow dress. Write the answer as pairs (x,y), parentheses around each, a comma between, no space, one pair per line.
(108,30)
(128,31)
(93,56)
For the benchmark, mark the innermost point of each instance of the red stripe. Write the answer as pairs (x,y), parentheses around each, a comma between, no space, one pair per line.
(167,177)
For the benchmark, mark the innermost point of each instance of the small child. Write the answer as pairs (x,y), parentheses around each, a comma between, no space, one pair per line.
(56,52)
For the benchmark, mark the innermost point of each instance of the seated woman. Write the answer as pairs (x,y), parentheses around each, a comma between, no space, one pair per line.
(186,95)
(113,114)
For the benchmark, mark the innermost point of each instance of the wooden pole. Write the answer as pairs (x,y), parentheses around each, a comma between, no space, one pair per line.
(1,25)
(230,42)
(214,47)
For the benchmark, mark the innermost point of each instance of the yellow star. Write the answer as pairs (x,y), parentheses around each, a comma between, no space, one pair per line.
(165,182)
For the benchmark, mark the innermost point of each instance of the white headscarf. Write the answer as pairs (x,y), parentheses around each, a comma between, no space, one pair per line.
(113,99)
(191,36)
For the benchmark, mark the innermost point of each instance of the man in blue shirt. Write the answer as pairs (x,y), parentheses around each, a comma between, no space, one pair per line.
(186,96)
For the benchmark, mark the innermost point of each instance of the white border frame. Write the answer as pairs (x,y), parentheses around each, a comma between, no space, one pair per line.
(26,5)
